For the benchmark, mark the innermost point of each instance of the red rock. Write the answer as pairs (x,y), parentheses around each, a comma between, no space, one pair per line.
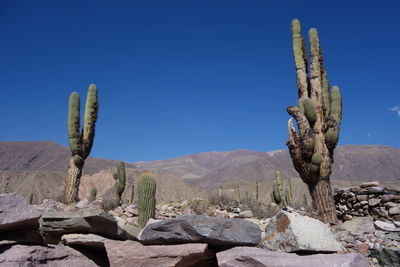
(132,253)
(362,248)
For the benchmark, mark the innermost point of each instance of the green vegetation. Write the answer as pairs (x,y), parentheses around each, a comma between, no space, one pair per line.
(120,181)
(147,198)
(93,194)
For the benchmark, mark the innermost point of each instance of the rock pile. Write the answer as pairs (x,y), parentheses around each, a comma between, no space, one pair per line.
(368,199)
(55,235)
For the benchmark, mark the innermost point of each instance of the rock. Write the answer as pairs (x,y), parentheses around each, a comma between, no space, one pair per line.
(293,232)
(236,210)
(95,221)
(82,203)
(393,188)
(29,236)
(359,225)
(48,204)
(364,202)
(369,184)
(84,240)
(388,256)
(347,217)
(375,189)
(362,197)
(132,253)
(387,198)
(394,210)
(202,229)
(17,214)
(246,214)
(373,202)
(397,224)
(50,255)
(385,226)
(248,256)
(362,248)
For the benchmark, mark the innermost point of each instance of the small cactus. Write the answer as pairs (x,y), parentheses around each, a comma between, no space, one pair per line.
(147,198)
(237,195)
(255,193)
(120,179)
(220,191)
(93,194)
(305,200)
(277,192)
(30,199)
(131,197)
(288,193)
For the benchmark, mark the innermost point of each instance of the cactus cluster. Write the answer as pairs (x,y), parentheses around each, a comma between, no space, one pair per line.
(147,198)
(80,141)
(120,181)
(93,194)
(318,116)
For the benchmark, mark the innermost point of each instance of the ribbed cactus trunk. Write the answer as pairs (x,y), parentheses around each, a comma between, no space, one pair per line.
(80,141)
(132,196)
(277,190)
(318,116)
(288,193)
(147,198)
(255,193)
(93,194)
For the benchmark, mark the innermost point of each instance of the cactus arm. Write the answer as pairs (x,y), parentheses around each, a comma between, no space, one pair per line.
(90,118)
(300,58)
(74,123)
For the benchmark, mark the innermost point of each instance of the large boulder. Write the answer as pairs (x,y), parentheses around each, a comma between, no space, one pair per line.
(360,225)
(248,256)
(132,253)
(54,224)
(51,255)
(289,232)
(202,229)
(17,214)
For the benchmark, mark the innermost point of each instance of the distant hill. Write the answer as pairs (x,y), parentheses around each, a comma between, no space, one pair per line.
(352,163)
(41,166)
(45,156)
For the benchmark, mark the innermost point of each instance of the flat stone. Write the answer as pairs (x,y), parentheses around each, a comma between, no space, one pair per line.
(385,226)
(132,253)
(362,197)
(393,188)
(28,236)
(391,205)
(289,232)
(54,224)
(360,225)
(246,214)
(202,229)
(85,240)
(373,202)
(347,217)
(387,198)
(17,214)
(396,223)
(248,256)
(369,184)
(376,189)
(50,255)
(394,210)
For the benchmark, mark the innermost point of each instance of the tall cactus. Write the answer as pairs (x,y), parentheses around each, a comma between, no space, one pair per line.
(277,190)
(288,193)
(255,193)
(147,198)
(318,116)
(120,181)
(80,141)
(92,194)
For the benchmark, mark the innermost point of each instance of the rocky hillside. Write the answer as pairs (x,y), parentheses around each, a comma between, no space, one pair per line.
(352,163)
(45,156)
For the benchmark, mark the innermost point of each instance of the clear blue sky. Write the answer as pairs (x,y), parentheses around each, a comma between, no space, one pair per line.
(181,77)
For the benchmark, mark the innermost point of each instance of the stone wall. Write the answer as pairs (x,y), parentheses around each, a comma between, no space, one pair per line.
(368,199)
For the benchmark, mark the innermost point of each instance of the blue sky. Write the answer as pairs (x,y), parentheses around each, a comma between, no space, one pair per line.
(181,77)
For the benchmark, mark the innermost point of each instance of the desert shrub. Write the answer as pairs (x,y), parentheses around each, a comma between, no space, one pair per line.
(200,206)
(109,203)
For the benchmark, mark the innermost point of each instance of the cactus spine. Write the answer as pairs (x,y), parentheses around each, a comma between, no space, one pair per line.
(147,198)
(80,141)
(288,193)
(120,181)
(92,194)
(255,193)
(277,190)
(318,118)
